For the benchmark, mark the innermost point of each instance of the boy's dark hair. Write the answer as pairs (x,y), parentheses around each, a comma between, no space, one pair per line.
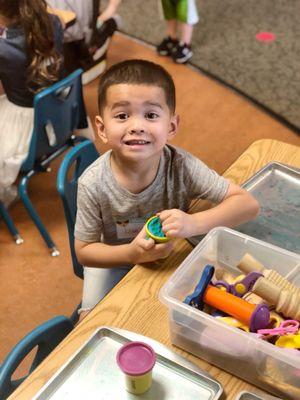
(140,72)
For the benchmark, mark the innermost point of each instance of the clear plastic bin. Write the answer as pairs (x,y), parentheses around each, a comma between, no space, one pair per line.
(240,353)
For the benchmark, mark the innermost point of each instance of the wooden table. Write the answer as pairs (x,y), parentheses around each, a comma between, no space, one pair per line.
(67,17)
(133,304)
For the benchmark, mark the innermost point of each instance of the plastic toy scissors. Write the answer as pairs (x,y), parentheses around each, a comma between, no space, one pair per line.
(286,327)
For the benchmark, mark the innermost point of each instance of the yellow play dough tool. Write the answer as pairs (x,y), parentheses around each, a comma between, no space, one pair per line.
(289,341)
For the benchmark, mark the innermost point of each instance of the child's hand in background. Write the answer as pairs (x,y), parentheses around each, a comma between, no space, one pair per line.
(143,249)
(176,223)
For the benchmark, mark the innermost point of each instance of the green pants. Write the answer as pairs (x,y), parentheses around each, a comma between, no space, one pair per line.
(182,10)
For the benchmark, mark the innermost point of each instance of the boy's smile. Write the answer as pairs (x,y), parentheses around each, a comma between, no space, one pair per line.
(136,142)
(136,122)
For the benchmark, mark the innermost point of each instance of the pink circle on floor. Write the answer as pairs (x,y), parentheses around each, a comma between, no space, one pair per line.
(265,37)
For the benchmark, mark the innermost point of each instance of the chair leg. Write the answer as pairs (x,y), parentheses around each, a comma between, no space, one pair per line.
(34,215)
(75,316)
(10,224)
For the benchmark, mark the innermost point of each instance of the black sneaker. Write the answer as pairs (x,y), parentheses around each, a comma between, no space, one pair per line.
(167,46)
(182,53)
(102,35)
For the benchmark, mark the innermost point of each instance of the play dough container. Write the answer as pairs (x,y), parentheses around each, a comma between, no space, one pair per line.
(154,230)
(136,360)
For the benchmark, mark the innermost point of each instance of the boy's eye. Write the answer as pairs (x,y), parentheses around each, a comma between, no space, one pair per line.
(121,116)
(151,115)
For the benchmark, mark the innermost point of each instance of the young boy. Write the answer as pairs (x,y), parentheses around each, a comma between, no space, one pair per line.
(140,176)
(180,16)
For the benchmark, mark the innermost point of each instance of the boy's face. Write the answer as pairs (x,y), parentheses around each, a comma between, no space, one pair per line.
(136,121)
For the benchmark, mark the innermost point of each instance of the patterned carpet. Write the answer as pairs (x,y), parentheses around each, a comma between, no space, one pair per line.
(225,47)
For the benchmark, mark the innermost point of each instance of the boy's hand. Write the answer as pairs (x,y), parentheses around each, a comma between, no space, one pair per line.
(143,250)
(176,223)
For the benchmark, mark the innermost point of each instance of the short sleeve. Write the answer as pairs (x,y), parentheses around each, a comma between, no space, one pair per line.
(204,182)
(89,225)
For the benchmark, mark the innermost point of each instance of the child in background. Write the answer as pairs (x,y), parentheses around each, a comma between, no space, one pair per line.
(108,12)
(30,60)
(140,176)
(86,41)
(105,22)
(180,15)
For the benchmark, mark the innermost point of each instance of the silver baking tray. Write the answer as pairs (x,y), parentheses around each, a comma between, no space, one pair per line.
(277,189)
(92,373)
(251,396)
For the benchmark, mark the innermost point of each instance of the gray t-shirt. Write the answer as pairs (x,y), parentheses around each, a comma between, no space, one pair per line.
(109,213)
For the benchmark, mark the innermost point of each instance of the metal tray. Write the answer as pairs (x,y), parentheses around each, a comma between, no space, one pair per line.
(277,188)
(251,396)
(92,373)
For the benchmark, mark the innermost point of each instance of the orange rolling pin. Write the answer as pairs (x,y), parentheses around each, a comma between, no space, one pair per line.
(254,316)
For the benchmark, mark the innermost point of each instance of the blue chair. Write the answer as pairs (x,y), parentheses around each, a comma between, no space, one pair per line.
(4,214)
(71,168)
(46,337)
(75,161)
(58,111)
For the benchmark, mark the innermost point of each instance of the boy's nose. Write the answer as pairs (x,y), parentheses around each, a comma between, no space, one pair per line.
(136,130)
(136,125)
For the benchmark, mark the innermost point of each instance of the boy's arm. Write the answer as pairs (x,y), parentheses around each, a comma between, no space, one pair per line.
(101,255)
(140,250)
(237,207)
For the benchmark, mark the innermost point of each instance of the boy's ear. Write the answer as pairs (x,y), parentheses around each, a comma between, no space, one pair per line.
(174,123)
(101,129)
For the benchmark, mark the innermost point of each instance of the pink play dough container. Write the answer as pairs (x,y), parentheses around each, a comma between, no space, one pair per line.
(136,360)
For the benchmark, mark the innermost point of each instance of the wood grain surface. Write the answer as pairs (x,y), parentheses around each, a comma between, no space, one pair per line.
(133,304)
(67,17)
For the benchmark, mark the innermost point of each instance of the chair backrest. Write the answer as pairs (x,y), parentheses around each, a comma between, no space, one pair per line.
(58,111)
(46,337)
(74,163)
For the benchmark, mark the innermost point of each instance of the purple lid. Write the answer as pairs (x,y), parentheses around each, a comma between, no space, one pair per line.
(260,318)
(136,358)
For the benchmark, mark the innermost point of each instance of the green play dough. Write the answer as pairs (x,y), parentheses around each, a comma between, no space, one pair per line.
(155,227)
